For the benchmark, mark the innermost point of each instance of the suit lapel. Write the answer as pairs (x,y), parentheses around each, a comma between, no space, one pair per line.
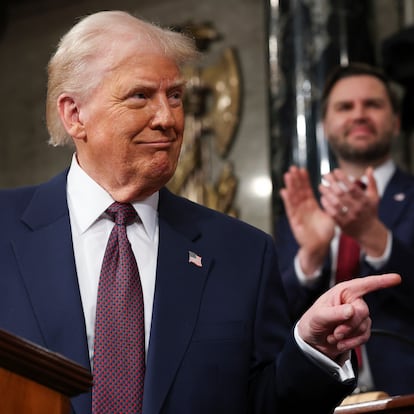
(178,291)
(396,198)
(46,260)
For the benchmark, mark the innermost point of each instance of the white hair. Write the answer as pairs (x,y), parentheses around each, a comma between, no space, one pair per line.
(92,46)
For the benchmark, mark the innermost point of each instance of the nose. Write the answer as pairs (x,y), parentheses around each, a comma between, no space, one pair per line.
(360,111)
(164,116)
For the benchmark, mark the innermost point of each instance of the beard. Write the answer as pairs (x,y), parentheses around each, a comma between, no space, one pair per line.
(376,151)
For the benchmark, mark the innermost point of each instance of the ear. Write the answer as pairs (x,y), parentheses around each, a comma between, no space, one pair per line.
(69,112)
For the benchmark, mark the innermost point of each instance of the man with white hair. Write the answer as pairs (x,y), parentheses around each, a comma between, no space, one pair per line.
(176,308)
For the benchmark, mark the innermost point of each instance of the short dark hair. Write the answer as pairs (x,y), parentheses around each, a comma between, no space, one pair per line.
(357,69)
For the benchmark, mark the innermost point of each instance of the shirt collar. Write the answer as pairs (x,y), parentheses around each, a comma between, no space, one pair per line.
(383,174)
(88,201)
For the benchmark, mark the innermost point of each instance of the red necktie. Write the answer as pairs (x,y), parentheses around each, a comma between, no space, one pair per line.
(119,350)
(348,258)
(348,263)
(347,267)
(348,254)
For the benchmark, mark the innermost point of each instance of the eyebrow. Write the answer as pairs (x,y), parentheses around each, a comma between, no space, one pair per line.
(148,84)
(179,83)
(350,101)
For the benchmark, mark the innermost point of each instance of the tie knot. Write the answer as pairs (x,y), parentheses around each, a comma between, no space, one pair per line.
(361,184)
(121,213)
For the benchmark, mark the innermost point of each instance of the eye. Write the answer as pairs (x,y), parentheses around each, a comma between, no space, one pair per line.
(343,106)
(375,103)
(139,95)
(175,97)
(137,99)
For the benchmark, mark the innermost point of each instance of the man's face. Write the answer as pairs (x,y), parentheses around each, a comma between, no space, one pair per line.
(133,127)
(359,122)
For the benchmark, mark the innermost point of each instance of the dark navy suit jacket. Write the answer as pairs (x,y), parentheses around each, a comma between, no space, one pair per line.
(221,341)
(391,353)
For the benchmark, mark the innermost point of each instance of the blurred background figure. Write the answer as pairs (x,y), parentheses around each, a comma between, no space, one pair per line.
(365,212)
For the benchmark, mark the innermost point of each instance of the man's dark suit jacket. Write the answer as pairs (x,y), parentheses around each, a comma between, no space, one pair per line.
(391,353)
(221,341)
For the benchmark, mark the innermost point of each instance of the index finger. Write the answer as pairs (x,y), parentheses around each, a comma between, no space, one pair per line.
(356,288)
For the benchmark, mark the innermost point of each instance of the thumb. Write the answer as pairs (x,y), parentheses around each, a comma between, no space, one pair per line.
(337,314)
(372,183)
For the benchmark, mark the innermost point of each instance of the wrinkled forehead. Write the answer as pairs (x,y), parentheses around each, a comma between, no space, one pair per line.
(136,59)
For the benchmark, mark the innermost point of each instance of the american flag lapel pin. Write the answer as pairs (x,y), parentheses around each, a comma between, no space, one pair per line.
(194,258)
(399,197)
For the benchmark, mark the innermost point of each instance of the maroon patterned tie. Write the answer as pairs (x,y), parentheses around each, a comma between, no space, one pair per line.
(119,350)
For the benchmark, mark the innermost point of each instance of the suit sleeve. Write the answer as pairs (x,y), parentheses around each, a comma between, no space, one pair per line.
(299,297)
(283,377)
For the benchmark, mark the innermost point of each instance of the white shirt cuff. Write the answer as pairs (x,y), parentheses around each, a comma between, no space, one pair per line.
(303,279)
(378,262)
(342,373)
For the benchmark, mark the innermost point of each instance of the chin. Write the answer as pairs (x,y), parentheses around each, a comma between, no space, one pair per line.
(160,177)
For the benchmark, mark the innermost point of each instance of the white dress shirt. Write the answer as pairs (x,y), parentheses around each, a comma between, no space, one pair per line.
(91,227)
(87,202)
(382,175)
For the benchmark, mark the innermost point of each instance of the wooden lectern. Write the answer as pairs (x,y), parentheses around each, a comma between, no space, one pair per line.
(34,380)
(403,404)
